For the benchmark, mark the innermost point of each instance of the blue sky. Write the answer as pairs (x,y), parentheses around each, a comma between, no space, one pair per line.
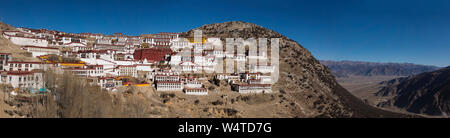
(414,31)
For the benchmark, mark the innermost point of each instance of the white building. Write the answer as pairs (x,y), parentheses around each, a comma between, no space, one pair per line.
(154,73)
(165,78)
(179,43)
(104,41)
(228,77)
(144,67)
(195,91)
(214,41)
(108,82)
(81,48)
(192,83)
(127,70)
(188,66)
(253,88)
(26,66)
(262,68)
(39,51)
(88,71)
(20,39)
(175,59)
(22,79)
(169,86)
(66,40)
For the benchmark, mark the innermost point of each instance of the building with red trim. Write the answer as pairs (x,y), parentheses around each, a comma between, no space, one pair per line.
(153,55)
(4,58)
(22,79)
(169,86)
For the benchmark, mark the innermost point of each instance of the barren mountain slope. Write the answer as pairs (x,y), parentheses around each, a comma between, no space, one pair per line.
(362,79)
(304,82)
(4,27)
(7,46)
(426,93)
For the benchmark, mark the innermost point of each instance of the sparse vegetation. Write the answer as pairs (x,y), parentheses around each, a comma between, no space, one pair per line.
(211,88)
(72,97)
(217,102)
(256,98)
(196,102)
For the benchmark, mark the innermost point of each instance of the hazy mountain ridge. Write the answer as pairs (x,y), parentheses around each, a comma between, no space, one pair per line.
(303,80)
(359,68)
(425,93)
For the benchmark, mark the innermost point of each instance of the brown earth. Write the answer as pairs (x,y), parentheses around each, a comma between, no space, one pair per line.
(7,46)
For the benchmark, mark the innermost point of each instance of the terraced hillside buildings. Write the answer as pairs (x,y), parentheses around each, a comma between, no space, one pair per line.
(163,61)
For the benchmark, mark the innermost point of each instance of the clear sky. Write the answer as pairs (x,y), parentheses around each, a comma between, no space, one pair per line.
(414,31)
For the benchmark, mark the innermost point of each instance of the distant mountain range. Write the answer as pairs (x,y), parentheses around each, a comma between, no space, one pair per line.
(359,68)
(425,93)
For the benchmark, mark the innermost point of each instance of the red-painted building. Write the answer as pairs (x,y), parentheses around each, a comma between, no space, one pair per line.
(152,54)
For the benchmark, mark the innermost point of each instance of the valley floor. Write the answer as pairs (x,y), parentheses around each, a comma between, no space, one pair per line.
(365,87)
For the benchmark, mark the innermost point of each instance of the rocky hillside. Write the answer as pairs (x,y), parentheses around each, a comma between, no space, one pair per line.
(304,82)
(426,93)
(358,68)
(4,27)
(7,46)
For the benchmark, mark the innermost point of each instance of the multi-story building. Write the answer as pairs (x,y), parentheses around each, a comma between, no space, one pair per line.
(22,79)
(26,66)
(195,91)
(169,86)
(162,78)
(108,82)
(4,58)
(39,51)
(252,88)
(88,71)
(127,70)
(191,82)
(21,38)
